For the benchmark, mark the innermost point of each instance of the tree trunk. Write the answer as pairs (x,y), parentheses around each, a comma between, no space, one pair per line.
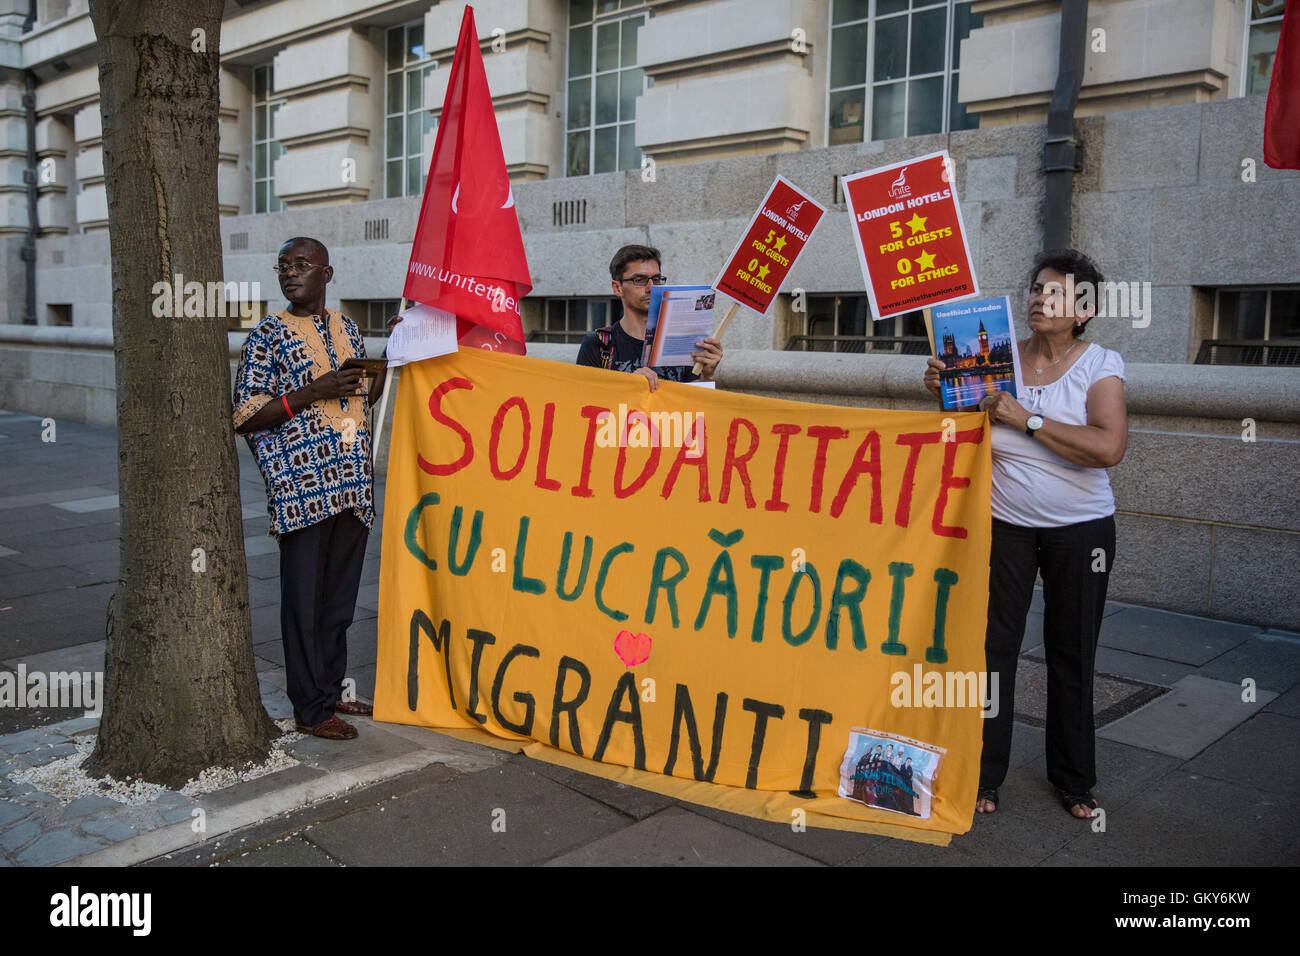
(181,689)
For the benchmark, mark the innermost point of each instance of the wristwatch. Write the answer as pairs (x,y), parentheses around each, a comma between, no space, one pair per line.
(1032,425)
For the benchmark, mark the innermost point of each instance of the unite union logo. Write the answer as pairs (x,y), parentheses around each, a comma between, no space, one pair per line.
(899,189)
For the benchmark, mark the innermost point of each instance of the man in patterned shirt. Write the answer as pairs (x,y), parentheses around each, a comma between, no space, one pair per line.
(632,271)
(304,418)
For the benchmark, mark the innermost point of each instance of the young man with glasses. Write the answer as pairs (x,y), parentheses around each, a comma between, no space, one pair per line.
(304,417)
(632,271)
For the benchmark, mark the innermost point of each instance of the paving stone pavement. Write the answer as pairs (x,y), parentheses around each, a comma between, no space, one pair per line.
(1199,758)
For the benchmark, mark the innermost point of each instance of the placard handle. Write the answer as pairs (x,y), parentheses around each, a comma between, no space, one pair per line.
(726,321)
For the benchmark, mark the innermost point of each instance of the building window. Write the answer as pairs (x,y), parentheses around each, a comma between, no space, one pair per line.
(235,322)
(1254,327)
(405,118)
(1264,28)
(894,68)
(266,148)
(604,82)
(569,320)
(370,315)
(843,323)
(378,312)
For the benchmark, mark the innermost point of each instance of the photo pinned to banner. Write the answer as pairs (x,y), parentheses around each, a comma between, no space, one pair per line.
(890,772)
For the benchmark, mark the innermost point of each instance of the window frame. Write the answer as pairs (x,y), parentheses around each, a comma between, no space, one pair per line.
(949,73)
(423,67)
(389,308)
(1251,23)
(1268,291)
(626,11)
(613,312)
(873,327)
(274,202)
(1268,351)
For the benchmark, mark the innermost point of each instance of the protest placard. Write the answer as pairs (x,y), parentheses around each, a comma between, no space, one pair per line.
(910,236)
(782,226)
(758,266)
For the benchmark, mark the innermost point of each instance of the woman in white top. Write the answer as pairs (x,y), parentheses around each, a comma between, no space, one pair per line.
(1053,513)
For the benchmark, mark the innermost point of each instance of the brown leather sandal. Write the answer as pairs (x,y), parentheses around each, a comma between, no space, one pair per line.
(353,708)
(332,729)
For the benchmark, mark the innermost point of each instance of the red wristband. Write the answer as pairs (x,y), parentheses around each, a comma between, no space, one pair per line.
(287,410)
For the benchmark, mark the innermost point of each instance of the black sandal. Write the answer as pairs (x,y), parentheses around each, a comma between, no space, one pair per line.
(989,794)
(1072,800)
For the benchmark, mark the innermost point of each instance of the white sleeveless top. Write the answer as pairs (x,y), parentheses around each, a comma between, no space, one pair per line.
(1033,486)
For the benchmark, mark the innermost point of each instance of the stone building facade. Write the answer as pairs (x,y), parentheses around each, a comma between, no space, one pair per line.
(665,120)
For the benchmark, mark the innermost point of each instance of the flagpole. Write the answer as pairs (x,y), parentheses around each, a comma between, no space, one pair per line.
(726,321)
(383,404)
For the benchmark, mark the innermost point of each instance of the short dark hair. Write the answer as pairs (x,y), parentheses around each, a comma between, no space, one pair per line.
(320,246)
(632,253)
(1069,262)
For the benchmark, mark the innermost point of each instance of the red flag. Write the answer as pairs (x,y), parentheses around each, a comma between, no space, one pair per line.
(468,255)
(1282,114)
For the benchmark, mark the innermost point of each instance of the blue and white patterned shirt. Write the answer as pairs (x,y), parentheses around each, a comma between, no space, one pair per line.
(317,463)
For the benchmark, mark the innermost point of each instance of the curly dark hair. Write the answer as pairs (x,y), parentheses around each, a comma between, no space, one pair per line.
(1069,262)
(632,253)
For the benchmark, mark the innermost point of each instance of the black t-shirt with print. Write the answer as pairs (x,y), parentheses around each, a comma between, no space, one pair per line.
(625,356)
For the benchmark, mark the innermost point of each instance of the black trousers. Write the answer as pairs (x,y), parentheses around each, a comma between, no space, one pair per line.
(320,571)
(1075,563)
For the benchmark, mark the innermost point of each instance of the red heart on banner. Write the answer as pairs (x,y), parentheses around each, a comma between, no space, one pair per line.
(632,649)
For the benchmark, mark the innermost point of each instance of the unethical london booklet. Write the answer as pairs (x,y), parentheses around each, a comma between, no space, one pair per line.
(976,341)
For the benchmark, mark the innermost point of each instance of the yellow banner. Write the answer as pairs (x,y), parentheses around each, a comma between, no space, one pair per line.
(777,606)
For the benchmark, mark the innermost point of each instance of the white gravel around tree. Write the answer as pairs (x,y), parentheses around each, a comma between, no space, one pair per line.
(64,779)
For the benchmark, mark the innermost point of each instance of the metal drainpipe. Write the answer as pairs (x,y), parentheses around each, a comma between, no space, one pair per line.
(29,177)
(1063,152)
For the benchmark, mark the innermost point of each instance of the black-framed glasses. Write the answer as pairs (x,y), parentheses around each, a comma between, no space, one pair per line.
(642,281)
(289,268)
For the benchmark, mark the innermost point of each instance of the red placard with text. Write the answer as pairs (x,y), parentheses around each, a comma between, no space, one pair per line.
(910,236)
(758,266)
